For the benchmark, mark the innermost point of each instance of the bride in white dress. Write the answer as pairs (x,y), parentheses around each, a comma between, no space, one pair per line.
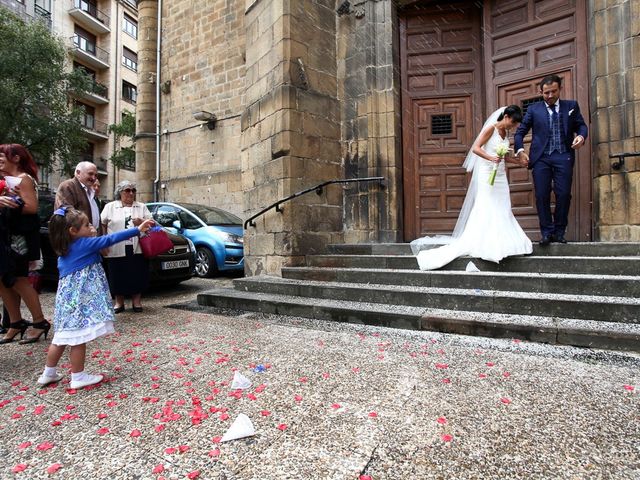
(486,227)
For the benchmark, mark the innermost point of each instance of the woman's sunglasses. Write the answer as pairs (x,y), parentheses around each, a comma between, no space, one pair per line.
(130,190)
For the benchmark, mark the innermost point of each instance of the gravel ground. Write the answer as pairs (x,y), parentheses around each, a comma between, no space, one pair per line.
(334,401)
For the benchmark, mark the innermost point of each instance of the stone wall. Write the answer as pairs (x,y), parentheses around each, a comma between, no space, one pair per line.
(615,127)
(203,68)
(369,93)
(290,131)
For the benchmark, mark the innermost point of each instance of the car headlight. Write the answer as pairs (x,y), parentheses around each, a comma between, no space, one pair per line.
(230,237)
(192,247)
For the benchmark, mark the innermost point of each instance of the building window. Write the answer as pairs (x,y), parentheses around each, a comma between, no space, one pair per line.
(84,40)
(129,59)
(130,26)
(132,3)
(129,92)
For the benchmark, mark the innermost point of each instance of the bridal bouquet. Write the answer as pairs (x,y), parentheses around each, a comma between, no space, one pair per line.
(501,152)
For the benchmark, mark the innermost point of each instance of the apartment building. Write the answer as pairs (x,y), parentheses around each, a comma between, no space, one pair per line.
(102,37)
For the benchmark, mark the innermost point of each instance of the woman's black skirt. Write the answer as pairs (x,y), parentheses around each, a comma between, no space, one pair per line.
(128,275)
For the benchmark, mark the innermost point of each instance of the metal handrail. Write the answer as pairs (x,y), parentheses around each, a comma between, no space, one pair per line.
(318,189)
(621,156)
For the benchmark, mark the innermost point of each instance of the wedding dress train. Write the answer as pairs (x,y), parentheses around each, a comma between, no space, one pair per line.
(489,230)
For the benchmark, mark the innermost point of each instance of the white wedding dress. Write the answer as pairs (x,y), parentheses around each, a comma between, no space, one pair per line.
(489,230)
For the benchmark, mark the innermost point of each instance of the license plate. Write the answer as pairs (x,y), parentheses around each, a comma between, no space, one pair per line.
(175,264)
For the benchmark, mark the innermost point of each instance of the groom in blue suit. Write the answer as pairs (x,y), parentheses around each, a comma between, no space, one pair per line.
(558,130)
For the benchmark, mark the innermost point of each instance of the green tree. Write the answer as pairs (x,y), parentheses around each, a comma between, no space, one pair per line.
(36,85)
(126,129)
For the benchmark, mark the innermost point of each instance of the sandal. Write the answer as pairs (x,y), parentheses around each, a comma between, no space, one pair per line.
(20,326)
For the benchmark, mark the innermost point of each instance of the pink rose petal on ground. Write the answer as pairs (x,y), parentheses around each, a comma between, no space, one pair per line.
(51,469)
(158,469)
(326,375)
(170,450)
(505,400)
(183,448)
(135,433)
(282,427)
(482,375)
(442,366)
(194,474)
(21,467)
(629,388)
(373,414)
(506,374)
(336,406)
(224,416)
(214,453)
(441,420)
(490,364)
(159,428)
(303,379)
(446,437)
(45,446)
(217,439)
(24,445)
(298,398)
(365,477)
(102,416)
(265,413)
(446,380)
(103,431)
(38,410)
(355,370)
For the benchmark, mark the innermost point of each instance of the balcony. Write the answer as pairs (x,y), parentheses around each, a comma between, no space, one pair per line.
(99,162)
(93,128)
(43,15)
(89,17)
(98,94)
(89,53)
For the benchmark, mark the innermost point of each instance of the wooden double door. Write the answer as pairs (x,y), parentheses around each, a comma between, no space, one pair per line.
(459,63)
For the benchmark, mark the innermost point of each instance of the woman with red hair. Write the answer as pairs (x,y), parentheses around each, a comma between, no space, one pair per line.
(21,241)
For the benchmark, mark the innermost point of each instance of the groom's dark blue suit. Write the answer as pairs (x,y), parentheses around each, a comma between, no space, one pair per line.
(552,169)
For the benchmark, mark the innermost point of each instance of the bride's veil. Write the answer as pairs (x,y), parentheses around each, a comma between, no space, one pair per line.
(469,163)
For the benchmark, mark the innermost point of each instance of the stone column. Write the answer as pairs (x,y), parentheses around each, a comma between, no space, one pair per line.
(290,132)
(146,102)
(369,93)
(615,109)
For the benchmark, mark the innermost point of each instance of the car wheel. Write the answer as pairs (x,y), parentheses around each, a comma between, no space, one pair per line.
(205,262)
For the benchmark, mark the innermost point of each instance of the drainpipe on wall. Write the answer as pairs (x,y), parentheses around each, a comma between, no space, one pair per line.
(158,50)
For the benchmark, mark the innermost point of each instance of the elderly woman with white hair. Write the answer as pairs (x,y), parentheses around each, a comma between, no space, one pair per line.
(127,269)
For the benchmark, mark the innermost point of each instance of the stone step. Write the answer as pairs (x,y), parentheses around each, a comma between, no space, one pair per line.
(603,285)
(539,329)
(590,249)
(530,263)
(616,309)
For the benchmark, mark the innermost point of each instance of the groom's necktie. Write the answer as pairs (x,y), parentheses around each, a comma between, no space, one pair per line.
(555,139)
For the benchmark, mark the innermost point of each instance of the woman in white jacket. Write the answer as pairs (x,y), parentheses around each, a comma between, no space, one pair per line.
(127,269)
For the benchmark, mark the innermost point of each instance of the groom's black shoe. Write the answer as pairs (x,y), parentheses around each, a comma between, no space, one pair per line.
(545,240)
(558,239)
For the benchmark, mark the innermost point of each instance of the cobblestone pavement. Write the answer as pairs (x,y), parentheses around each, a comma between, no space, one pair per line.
(327,401)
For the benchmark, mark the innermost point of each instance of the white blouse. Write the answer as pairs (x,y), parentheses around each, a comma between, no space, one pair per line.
(116,217)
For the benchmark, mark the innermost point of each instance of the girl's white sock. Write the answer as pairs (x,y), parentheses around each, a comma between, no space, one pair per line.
(50,371)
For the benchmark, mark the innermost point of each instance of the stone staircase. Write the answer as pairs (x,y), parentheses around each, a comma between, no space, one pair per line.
(582,294)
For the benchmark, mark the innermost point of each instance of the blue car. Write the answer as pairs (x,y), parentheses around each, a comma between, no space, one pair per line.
(216,234)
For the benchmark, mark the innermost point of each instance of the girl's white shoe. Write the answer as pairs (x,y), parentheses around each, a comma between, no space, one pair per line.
(85,380)
(46,379)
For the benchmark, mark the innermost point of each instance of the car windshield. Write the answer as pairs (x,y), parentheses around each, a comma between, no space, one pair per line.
(212,215)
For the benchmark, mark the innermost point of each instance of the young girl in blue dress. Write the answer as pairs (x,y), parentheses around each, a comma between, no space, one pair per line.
(83,309)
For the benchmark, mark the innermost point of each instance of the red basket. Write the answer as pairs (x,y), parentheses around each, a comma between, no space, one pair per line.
(155,242)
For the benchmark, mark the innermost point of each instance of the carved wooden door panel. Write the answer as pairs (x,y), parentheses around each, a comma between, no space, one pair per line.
(442,112)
